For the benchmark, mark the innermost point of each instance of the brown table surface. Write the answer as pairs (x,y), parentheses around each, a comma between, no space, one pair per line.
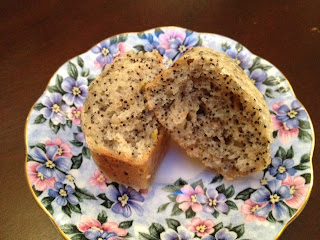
(37,38)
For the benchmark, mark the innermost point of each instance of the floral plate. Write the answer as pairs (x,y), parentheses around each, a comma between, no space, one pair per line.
(185,201)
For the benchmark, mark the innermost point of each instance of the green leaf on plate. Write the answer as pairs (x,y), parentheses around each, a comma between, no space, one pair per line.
(239,230)
(229,192)
(197,183)
(275,134)
(239,47)
(75,208)
(86,152)
(301,167)
(72,70)
(47,200)
(139,48)
(172,223)
(176,210)
(163,207)
(281,153)
(273,81)
(307,177)
(245,194)
(69,229)
(78,236)
(54,128)
(190,213)
(304,136)
(66,210)
(40,119)
(76,161)
(172,197)
(50,209)
(305,158)
(231,205)
(36,192)
(217,178)
(290,153)
(90,79)
(215,214)
(76,143)
(126,224)
(156,229)
(283,89)
(123,37)
(85,72)
(218,227)
(269,93)
(38,106)
(304,124)
(102,217)
(80,62)
(145,236)
(84,194)
(221,188)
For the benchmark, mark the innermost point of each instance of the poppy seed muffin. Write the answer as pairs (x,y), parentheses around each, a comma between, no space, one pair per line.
(124,137)
(213,110)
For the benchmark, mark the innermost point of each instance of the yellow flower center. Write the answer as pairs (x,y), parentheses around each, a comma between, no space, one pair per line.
(201,228)
(194,198)
(169,62)
(182,48)
(171,39)
(281,169)
(237,61)
(292,189)
(101,179)
(263,181)
(50,164)
(76,91)
(255,208)
(105,51)
(40,175)
(77,113)
(96,228)
(274,198)
(59,152)
(55,108)
(292,114)
(212,202)
(70,177)
(124,199)
(155,51)
(63,193)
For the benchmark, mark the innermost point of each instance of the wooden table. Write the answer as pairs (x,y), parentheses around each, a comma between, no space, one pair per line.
(36,38)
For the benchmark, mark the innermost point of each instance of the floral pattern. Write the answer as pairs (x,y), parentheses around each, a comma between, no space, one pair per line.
(86,205)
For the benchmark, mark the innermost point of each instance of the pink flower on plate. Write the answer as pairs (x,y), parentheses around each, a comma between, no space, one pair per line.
(201,227)
(298,189)
(285,134)
(249,208)
(87,223)
(171,35)
(37,179)
(75,115)
(64,149)
(188,198)
(98,180)
(122,49)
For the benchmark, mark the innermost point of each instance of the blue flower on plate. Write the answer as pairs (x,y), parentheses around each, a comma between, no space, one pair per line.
(242,58)
(224,234)
(52,166)
(177,47)
(281,169)
(76,91)
(182,233)
(54,108)
(291,116)
(63,194)
(153,45)
(124,199)
(258,76)
(95,234)
(272,196)
(106,52)
(213,200)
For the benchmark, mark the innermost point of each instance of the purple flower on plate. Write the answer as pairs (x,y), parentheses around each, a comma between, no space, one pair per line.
(281,169)
(213,200)
(97,234)
(272,196)
(54,109)
(225,234)
(177,47)
(181,234)
(291,116)
(106,51)
(124,199)
(258,76)
(80,137)
(51,166)
(63,194)
(242,58)
(153,45)
(76,91)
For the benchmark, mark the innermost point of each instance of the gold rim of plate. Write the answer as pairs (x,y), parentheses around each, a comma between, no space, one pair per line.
(284,226)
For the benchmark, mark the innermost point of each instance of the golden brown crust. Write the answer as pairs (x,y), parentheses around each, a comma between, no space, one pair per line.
(136,174)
